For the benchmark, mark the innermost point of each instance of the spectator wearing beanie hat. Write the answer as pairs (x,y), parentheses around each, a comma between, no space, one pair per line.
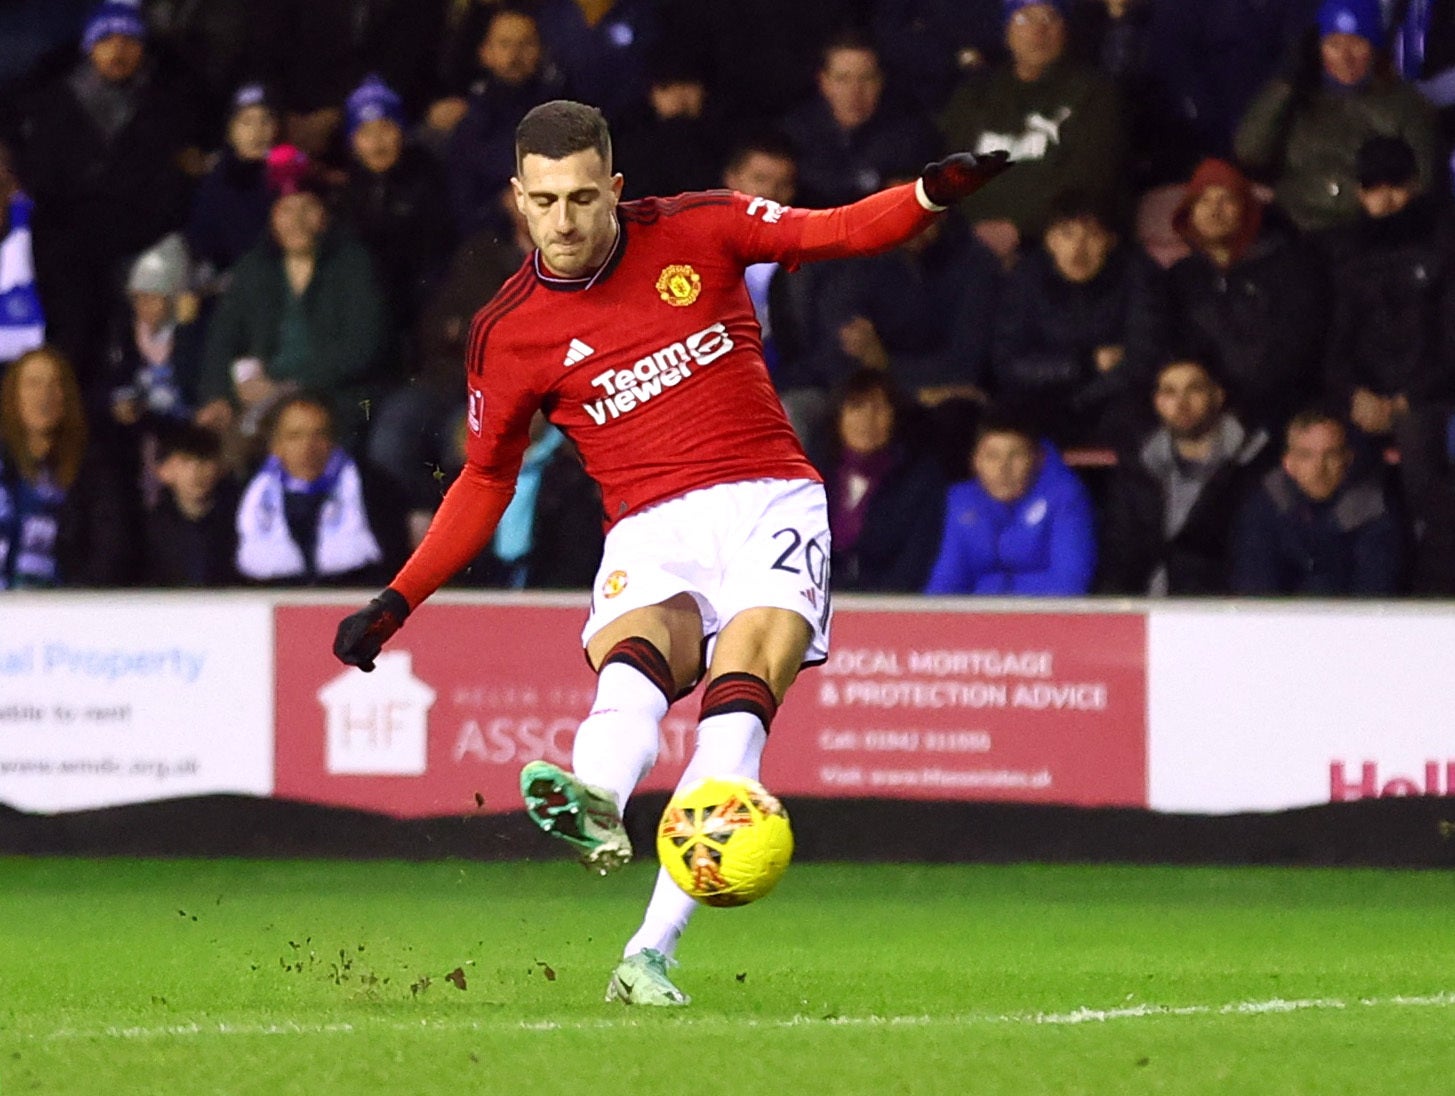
(396,201)
(156,347)
(1303,132)
(115,18)
(153,355)
(1255,299)
(1389,363)
(230,208)
(101,153)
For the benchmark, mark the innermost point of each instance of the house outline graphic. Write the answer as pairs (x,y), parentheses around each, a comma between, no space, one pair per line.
(377,724)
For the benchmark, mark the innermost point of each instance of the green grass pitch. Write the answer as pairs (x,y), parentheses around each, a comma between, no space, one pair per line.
(318,978)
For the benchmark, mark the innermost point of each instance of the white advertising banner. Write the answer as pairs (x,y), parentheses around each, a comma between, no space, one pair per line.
(1259,707)
(110,700)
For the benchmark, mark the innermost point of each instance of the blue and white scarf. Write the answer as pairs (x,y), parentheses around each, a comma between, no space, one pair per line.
(22,324)
(266,549)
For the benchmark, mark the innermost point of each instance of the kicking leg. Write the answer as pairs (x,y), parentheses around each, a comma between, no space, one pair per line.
(617,742)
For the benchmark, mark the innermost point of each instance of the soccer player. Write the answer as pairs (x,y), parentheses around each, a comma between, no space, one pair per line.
(630,326)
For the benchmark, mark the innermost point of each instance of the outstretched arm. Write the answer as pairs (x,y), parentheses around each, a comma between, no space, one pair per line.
(501,403)
(773,233)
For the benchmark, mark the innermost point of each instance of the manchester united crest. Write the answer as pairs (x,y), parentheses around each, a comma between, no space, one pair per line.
(679,285)
(613,584)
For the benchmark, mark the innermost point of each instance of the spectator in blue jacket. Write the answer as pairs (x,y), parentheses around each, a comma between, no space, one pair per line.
(1023,525)
(1317,525)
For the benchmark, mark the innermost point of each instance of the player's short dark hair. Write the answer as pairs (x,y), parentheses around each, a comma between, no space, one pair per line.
(561,128)
(187,439)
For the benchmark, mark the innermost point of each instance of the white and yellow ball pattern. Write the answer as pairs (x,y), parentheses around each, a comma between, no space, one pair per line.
(725,840)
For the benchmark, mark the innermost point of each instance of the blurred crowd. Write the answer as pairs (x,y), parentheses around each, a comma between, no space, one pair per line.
(1201,340)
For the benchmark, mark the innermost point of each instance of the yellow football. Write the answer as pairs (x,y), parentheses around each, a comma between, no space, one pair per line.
(725,840)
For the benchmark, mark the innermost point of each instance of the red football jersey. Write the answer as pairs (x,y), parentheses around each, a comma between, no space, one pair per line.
(653,366)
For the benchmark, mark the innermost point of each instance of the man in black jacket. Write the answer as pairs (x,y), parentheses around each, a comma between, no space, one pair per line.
(99,154)
(1082,318)
(1390,360)
(1258,299)
(1173,497)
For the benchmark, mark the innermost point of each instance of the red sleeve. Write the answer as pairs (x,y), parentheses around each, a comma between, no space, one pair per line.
(500,403)
(765,231)
(461,528)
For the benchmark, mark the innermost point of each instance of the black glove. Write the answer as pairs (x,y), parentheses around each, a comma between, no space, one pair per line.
(961,174)
(362,634)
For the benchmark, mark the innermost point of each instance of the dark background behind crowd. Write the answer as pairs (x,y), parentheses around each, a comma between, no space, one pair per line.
(1200,341)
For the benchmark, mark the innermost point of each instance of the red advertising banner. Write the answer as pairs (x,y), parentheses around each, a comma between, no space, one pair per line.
(1025,707)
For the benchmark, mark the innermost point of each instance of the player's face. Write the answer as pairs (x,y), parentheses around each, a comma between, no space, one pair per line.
(1216,215)
(303,440)
(764,176)
(867,424)
(850,81)
(1347,58)
(569,205)
(252,132)
(1187,400)
(1317,459)
(42,396)
(1006,465)
(1385,200)
(377,144)
(1079,248)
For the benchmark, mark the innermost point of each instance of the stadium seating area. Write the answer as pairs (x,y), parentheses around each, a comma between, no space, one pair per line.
(1200,341)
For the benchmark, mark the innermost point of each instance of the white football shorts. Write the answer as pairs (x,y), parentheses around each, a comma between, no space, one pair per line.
(732,546)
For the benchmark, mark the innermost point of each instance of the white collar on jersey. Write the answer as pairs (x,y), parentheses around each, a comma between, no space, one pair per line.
(589,280)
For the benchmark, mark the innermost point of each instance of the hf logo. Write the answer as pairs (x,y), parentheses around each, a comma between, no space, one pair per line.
(679,285)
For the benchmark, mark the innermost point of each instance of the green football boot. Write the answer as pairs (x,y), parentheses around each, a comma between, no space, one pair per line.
(641,979)
(581,813)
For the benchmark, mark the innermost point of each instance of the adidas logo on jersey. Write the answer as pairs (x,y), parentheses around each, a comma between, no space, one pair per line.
(577,353)
(625,389)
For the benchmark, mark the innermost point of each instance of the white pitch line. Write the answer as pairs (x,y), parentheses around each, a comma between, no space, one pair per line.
(1057,1019)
